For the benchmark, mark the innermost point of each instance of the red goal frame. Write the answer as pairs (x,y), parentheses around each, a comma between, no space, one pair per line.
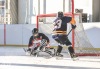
(66,14)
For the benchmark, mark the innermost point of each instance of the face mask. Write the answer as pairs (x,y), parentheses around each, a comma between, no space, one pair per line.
(35,35)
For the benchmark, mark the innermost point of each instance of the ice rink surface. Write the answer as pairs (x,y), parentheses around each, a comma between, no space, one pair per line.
(15,58)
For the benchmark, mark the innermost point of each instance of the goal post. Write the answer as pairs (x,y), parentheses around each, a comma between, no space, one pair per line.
(82,44)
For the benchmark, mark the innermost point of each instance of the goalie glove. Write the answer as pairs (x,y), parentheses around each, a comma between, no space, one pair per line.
(73,26)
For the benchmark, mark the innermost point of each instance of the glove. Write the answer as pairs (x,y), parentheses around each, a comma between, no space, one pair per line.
(48,45)
(73,26)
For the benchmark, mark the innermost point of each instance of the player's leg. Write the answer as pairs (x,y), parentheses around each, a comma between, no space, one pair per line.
(70,48)
(50,50)
(61,40)
(44,48)
(58,52)
(59,47)
(71,51)
(34,51)
(43,44)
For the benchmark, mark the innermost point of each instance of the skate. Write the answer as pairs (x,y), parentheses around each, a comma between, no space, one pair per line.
(72,54)
(74,57)
(59,56)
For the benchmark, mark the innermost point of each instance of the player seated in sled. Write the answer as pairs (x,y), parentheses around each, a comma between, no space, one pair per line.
(39,42)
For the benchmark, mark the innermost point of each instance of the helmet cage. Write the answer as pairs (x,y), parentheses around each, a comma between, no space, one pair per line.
(60,14)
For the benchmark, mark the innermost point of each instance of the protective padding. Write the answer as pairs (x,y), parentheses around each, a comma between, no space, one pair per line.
(71,50)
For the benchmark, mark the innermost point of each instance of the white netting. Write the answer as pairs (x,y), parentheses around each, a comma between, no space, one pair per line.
(82,44)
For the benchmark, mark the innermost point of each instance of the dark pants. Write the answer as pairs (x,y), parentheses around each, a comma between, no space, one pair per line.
(62,39)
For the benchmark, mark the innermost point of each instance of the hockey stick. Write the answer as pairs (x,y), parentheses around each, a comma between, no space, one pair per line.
(69,32)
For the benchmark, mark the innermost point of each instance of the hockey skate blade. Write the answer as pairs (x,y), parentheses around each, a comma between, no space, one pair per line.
(59,58)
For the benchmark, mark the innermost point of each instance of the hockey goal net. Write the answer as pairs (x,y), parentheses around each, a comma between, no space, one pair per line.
(82,45)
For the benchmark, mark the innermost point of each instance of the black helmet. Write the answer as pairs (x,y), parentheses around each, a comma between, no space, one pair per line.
(35,30)
(35,33)
(60,14)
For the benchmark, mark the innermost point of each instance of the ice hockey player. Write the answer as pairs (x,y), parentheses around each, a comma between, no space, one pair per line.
(36,39)
(60,33)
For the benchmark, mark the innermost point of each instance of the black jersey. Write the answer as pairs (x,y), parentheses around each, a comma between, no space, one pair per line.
(60,24)
(40,35)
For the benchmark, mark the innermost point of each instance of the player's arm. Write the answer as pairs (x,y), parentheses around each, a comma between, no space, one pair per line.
(44,37)
(56,21)
(30,41)
(73,23)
